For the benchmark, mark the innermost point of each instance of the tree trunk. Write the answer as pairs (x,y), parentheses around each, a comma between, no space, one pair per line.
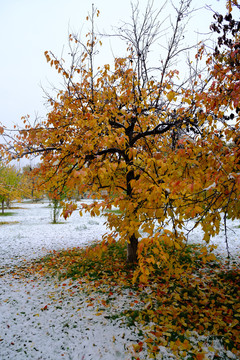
(2,206)
(132,250)
(8,203)
(133,241)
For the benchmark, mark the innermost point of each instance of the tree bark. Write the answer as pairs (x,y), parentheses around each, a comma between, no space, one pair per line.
(132,250)
(8,204)
(133,241)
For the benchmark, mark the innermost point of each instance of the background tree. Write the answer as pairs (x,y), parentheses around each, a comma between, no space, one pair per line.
(9,185)
(31,183)
(56,199)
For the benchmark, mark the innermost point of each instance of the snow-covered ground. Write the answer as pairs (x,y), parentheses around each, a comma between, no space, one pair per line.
(41,319)
(34,235)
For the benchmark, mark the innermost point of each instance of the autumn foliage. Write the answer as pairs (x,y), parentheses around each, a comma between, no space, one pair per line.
(11,185)
(163,154)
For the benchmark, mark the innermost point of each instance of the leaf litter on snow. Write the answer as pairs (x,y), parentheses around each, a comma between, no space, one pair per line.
(48,318)
(55,319)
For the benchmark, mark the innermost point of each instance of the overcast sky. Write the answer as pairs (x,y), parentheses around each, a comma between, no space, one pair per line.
(29,27)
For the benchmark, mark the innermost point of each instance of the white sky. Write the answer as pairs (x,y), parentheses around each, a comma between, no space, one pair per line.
(29,27)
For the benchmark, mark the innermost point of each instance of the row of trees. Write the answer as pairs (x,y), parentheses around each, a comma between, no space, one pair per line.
(27,183)
(162,148)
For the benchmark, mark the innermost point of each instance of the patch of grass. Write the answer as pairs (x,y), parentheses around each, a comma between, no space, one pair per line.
(98,261)
(116,211)
(91,262)
(16,207)
(8,213)
(93,222)
(58,222)
(8,222)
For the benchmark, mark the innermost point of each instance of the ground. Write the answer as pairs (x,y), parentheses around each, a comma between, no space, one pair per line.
(44,317)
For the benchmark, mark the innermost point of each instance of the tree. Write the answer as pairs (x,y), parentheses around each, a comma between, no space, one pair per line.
(9,185)
(141,136)
(56,201)
(32,183)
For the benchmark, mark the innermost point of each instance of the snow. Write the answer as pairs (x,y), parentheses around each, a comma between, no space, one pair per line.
(47,321)
(42,319)
(34,235)
(212,186)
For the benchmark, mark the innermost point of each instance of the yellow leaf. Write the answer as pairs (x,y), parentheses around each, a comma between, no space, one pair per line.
(171,96)
(166,333)
(143,278)
(210,348)
(155,251)
(234,323)
(177,246)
